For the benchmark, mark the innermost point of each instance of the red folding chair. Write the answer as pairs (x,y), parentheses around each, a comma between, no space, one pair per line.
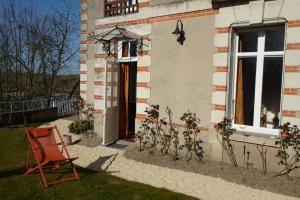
(47,154)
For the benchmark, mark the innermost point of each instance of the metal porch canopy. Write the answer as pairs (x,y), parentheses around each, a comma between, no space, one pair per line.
(108,38)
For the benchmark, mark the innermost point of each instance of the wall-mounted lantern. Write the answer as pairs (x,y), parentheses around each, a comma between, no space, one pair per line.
(181,38)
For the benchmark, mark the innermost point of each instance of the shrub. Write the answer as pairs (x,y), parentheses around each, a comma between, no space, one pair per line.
(164,137)
(176,147)
(85,119)
(154,127)
(155,132)
(289,138)
(192,142)
(83,109)
(80,126)
(147,135)
(224,130)
(169,140)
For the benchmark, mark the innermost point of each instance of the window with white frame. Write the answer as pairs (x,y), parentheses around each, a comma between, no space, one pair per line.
(127,51)
(257,74)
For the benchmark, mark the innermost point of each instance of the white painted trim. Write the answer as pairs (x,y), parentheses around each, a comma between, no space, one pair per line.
(273,53)
(260,55)
(105,102)
(259,130)
(233,101)
(255,54)
(246,54)
(259,79)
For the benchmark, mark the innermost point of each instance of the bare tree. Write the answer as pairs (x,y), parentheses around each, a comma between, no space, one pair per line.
(35,49)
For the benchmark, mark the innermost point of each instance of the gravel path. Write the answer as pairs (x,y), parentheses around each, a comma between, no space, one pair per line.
(203,187)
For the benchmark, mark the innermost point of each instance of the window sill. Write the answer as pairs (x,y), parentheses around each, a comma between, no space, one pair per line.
(254,131)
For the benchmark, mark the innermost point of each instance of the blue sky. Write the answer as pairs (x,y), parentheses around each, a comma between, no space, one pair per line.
(46,6)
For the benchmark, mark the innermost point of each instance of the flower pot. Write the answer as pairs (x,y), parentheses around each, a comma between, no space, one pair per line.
(67,139)
(89,133)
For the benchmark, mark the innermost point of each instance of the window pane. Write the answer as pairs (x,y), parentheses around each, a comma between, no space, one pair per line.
(133,49)
(271,92)
(248,41)
(275,39)
(245,91)
(125,48)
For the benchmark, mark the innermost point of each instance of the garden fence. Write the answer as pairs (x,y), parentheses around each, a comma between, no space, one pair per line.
(65,106)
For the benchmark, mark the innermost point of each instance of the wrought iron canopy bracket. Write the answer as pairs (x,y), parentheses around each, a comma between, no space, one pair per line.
(140,44)
(106,46)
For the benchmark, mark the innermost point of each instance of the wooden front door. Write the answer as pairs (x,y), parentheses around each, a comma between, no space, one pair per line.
(124,98)
(127,101)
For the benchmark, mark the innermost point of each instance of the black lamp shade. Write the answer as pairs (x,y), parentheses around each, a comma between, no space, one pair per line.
(176,31)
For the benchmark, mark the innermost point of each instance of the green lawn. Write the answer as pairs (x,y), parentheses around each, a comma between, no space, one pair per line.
(93,185)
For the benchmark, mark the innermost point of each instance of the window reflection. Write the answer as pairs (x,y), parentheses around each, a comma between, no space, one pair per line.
(271,92)
(248,41)
(133,49)
(275,39)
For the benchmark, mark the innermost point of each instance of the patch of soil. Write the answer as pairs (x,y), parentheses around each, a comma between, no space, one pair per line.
(248,177)
(90,140)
